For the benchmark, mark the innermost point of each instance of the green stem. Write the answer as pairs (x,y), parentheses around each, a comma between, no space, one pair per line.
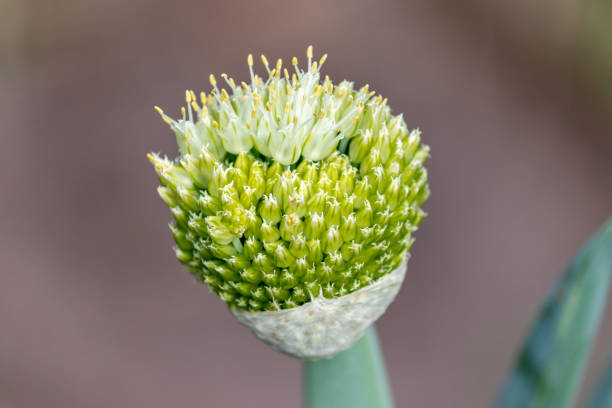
(353,378)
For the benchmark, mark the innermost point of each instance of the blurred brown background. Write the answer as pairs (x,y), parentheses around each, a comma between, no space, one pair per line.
(514,99)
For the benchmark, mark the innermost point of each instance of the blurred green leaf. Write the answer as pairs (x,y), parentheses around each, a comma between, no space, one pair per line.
(602,396)
(551,363)
(355,378)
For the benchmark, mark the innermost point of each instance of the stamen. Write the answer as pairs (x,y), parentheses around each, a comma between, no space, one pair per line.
(264,60)
(250,64)
(314,67)
(309,56)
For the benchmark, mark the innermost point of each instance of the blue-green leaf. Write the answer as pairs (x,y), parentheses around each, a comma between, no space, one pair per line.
(551,363)
(355,378)
(602,397)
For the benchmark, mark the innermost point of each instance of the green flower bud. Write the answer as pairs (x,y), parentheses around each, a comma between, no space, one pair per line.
(218,231)
(269,209)
(299,295)
(168,196)
(237,178)
(349,227)
(346,183)
(308,172)
(188,198)
(199,178)
(287,279)
(183,256)
(300,266)
(252,247)
(291,225)
(269,233)
(282,256)
(287,190)
(362,191)
(314,224)
(263,262)
(243,162)
(364,216)
(315,250)
(270,278)
(222,251)
(316,204)
(180,237)
(347,205)
(332,239)
(360,146)
(223,271)
(207,204)
(256,179)
(283,187)
(180,216)
(218,180)
(245,289)
(296,203)
(251,275)
(207,164)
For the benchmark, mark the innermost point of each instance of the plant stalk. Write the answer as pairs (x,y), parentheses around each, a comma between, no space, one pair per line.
(354,378)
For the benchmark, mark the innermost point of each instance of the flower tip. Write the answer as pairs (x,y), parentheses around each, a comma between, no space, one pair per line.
(155,160)
(309,52)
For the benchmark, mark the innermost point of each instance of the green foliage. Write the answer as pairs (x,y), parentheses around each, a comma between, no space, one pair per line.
(551,364)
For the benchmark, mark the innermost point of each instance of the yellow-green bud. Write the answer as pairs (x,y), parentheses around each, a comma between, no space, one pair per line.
(269,232)
(218,180)
(218,230)
(269,209)
(168,196)
(290,225)
(314,224)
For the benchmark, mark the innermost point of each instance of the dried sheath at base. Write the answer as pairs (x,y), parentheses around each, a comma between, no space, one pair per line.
(324,327)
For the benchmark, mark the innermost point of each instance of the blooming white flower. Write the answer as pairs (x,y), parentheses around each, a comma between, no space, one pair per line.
(285,117)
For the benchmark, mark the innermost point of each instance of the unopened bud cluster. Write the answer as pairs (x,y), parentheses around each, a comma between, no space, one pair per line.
(290,187)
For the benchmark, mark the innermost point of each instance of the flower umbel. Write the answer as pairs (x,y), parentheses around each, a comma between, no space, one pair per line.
(291,187)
